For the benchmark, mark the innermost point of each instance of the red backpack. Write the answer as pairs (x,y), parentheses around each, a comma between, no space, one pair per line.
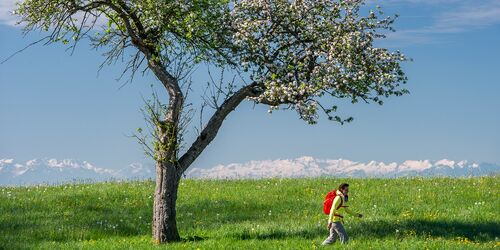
(327,204)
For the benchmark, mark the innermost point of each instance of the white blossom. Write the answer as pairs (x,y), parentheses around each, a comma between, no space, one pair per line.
(301,50)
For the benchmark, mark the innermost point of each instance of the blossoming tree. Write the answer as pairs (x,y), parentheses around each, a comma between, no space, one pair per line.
(291,54)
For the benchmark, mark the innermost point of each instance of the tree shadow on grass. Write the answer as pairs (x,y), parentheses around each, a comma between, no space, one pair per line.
(26,228)
(310,233)
(216,212)
(87,221)
(476,231)
(193,238)
(479,232)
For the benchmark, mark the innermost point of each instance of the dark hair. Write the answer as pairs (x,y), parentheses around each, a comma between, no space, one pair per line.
(343,185)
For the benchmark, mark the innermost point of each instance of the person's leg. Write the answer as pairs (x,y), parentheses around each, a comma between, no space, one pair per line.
(340,230)
(331,238)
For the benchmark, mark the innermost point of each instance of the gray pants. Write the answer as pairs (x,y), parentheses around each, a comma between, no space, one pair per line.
(337,230)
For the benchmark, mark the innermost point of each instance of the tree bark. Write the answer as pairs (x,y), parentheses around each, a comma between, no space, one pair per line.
(169,168)
(164,226)
(165,197)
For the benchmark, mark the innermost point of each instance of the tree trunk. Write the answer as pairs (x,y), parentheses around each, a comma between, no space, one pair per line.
(169,168)
(164,213)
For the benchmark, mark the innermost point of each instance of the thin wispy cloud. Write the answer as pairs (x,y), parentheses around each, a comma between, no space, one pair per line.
(412,1)
(460,16)
(469,16)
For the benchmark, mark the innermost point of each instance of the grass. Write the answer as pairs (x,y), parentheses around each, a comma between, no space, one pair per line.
(417,213)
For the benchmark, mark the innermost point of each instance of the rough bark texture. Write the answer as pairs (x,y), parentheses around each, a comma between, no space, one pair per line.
(164,224)
(168,169)
(164,212)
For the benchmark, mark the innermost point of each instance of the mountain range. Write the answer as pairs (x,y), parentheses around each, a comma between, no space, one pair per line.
(53,171)
(307,166)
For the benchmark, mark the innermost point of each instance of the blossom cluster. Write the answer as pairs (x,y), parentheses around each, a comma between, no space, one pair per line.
(302,50)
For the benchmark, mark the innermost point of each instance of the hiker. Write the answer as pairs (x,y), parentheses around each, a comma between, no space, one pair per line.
(335,218)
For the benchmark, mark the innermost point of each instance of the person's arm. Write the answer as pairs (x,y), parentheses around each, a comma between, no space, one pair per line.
(335,204)
(349,211)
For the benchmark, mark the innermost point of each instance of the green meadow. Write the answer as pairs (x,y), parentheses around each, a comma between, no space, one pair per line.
(403,213)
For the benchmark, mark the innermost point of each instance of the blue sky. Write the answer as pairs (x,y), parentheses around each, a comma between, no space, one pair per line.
(53,104)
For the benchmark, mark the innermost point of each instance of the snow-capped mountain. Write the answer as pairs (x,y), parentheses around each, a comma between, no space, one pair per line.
(55,171)
(309,167)
(59,171)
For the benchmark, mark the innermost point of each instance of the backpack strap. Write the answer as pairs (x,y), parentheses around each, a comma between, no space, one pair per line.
(340,205)
(341,202)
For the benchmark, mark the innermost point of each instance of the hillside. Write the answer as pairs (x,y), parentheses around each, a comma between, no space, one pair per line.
(416,213)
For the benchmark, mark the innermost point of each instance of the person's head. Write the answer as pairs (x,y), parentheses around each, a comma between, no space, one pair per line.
(344,188)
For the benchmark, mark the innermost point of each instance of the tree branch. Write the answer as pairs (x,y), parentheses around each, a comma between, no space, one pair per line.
(210,131)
